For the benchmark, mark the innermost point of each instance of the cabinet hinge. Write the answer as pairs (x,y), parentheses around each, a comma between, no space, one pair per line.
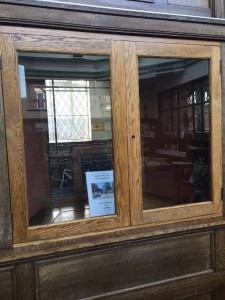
(0,63)
(221,194)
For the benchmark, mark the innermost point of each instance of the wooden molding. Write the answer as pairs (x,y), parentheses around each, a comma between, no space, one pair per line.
(5,213)
(217,8)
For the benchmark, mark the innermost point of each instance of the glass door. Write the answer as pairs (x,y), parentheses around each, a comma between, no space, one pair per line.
(178,142)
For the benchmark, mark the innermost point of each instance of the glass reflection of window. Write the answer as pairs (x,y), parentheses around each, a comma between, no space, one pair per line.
(68,109)
(192,113)
(176,158)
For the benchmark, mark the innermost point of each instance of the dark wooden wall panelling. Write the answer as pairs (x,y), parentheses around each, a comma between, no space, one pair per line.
(186,7)
(6,284)
(125,267)
(204,287)
(114,21)
(218,8)
(25,281)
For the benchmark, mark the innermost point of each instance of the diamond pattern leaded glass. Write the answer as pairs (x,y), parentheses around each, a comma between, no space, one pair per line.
(68,108)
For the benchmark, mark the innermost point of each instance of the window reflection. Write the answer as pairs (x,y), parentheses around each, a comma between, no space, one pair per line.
(175,131)
(66,110)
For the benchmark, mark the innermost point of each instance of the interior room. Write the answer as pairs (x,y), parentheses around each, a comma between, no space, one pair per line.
(175,131)
(66,108)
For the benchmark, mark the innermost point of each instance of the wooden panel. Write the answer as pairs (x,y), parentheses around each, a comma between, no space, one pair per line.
(132,100)
(80,227)
(22,32)
(6,284)
(219,249)
(120,146)
(25,281)
(95,6)
(201,296)
(216,128)
(42,43)
(113,269)
(180,50)
(203,287)
(14,137)
(5,214)
(223,117)
(218,8)
(195,3)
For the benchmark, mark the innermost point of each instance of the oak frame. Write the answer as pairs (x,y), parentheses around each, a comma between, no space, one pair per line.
(124,52)
(14,129)
(199,210)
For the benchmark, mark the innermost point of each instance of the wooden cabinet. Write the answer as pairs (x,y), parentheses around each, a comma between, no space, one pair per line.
(169,253)
(26,154)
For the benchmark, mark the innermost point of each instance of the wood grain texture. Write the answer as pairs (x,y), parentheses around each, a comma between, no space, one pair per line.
(50,13)
(190,211)
(5,213)
(195,3)
(223,118)
(204,287)
(22,32)
(180,50)
(113,21)
(25,281)
(79,227)
(219,249)
(134,139)
(6,284)
(99,239)
(216,129)
(106,271)
(14,137)
(120,145)
(51,43)
(218,8)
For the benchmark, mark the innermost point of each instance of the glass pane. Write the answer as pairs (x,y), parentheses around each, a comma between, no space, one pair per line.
(174,98)
(205,90)
(165,101)
(198,118)
(67,123)
(186,120)
(197,92)
(175,121)
(166,121)
(185,95)
(175,156)
(206,117)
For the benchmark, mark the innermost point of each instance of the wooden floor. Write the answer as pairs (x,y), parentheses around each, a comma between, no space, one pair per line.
(60,214)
